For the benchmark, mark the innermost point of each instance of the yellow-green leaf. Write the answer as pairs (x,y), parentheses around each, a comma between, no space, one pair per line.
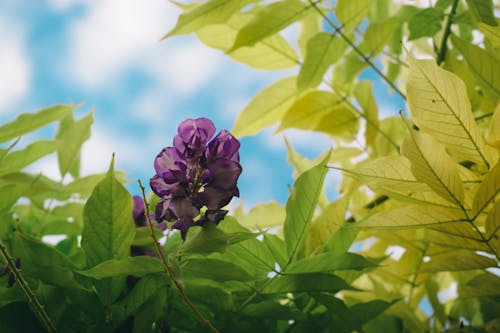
(210,12)
(310,25)
(438,104)
(458,260)
(484,65)
(493,227)
(364,95)
(431,164)
(323,50)
(264,215)
(491,32)
(412,216)
(270,20)
(493,138)
(351,12)
(266,108)
(273,52)
(488,190)
(377,35)
(321,111)
(483,10)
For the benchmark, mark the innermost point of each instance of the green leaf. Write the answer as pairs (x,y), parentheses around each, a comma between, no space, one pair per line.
(17,160)
(300,206)
(323,50)
(492,33)
(315,282)
(271,53)
(329,262)
(364,312)
(413,216)
(364,95)
(493,138)
(438,104)
(72,139)
(457,260)
(431,164)
(321,111)
(493,227)
(211,239)
(487,191)
(28,122)
(143,236)
(266,108)
(277,247)
(484,65)
(350,12)
(215,269)
(270,20)
(426,23)
(109,228)
(136,266)
(432,290)
(483,10)
(210,12)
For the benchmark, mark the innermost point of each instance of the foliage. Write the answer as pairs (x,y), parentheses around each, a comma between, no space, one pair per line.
(423,182)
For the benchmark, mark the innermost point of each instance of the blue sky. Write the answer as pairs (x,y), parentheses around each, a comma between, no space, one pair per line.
(107,54)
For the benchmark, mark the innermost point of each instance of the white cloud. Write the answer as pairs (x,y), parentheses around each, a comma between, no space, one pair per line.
(115,35)
(64,4)
(15,67)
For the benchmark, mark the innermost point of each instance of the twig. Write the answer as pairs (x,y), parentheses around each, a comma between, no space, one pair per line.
(39,309)
(357,50)
(170,272)
(447,31)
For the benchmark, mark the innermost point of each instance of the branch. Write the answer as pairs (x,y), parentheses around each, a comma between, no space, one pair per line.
(447,31)
(170,272)
(357,50)
(38,307)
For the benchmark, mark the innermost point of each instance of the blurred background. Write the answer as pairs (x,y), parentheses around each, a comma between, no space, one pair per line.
(108,56)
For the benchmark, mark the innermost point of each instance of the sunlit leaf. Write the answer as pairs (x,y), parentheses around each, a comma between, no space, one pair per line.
(432,289)
(210,12)
(364,95)
(493,227)
(377,35)
(310,25)
(300,207)
(272,53)
(493,138)
(426,23)
(438,103)
(483,11)
(136,266)
(432,165)
(17,160)
(491,32)
(351,12)
(264,216)
(484,65)
(72,139)
(306,283)
(413,216)
(458,260)
(323,50)
(266,108)
(28,122)
(270,20)
(488,190)
(321,111)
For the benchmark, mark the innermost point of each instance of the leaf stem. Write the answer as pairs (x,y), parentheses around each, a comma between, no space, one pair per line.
(447,31)
(357,50)
(170,272)
(38,307)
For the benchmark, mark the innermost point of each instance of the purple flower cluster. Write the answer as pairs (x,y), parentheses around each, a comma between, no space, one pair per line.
(198,174)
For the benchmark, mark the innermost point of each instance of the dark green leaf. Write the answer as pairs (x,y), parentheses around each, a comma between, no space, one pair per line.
(483,10)
(300,206)
(367,311)
(214,269)
(485,284)
(306,283)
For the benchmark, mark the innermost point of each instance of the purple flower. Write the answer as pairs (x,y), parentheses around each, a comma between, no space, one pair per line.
(197,176)
(139,214)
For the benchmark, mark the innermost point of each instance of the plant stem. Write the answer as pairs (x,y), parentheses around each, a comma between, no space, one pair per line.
(170,272)
(357,50)
(38,307)
(447,31)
